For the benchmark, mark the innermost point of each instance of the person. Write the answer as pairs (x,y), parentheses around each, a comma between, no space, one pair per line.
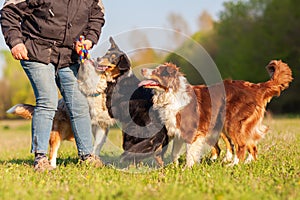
(43,35)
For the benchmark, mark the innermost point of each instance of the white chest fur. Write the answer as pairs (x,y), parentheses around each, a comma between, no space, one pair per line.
(169,103)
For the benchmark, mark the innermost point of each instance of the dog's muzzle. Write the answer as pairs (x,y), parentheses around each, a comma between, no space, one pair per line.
(101,68)
(103,64)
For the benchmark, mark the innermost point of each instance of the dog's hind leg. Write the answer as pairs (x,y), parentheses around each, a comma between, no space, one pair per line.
(100,135)
(240,152)
(177,144)
(215,152)
(252,149)
(229,148)
(54,143)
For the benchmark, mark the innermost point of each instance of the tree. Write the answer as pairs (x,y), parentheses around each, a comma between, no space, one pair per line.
(251,33)
(143,54)
(205,21)
(4,96)
(177,23)
(195,49)
(247,36)
(16,87)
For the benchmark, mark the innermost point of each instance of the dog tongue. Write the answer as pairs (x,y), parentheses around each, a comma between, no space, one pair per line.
(147,82)
(101,67)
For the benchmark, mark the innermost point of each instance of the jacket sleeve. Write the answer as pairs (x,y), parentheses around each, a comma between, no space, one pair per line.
(96,22)
(12,14)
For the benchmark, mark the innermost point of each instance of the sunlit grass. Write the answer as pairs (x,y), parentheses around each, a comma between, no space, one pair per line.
(275,175)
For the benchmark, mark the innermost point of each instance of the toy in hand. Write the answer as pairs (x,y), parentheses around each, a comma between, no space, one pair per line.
(83,53)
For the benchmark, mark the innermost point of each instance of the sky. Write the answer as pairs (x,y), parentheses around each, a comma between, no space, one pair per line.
(122,16)
(125,15)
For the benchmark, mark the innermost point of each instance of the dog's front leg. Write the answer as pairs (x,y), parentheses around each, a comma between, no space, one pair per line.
(177,144)
(196,150)
(100,134)
(54,143)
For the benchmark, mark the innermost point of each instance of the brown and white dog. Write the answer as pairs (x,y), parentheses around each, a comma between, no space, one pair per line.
(196,114)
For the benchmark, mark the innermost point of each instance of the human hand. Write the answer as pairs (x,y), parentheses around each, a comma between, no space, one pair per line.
(78,45)
(19,52)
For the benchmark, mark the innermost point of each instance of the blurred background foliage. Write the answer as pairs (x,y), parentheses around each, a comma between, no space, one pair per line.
(246,37)
(14,86)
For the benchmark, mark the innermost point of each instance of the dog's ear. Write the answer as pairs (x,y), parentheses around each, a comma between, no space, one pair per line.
(113,44)
(169,71)
(271,67)
(173,70)
(124,63)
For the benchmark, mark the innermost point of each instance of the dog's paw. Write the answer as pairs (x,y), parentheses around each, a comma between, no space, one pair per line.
(249,159)
(234,162)
(228,157)
(213,158)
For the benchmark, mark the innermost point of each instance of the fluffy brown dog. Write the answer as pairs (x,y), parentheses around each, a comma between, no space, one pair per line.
(196,115)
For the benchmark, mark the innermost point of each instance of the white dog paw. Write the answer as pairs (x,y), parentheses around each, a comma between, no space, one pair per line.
(214,158)
(234,162)
(249,159)
(228,157)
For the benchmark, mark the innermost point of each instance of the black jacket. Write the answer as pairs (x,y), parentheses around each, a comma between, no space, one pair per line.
(49,28)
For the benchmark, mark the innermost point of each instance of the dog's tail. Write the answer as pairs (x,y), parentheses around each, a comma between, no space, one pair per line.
(281,76)
(22,110)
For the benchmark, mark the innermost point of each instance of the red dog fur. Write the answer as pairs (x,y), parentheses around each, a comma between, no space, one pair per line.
(194,115)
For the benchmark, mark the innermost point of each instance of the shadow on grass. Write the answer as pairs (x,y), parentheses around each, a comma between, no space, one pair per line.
(114,161)
(111,162)
(29,161)
(108,160)
(17,161)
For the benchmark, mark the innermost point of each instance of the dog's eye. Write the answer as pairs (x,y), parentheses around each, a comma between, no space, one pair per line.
(164,73)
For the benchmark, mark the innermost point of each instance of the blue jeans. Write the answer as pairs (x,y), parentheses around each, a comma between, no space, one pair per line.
(44,81)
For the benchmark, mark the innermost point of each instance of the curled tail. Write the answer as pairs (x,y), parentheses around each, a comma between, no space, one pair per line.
(281,76)
(22,110)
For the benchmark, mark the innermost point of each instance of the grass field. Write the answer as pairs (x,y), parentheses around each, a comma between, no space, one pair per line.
(276,174)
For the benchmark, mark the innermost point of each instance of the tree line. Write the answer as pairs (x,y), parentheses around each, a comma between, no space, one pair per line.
(247,36)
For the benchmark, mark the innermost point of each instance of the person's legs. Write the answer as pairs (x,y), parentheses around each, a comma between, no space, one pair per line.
(42,79)
(78,107)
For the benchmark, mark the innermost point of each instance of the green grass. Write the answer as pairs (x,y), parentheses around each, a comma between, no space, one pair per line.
(275,175)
